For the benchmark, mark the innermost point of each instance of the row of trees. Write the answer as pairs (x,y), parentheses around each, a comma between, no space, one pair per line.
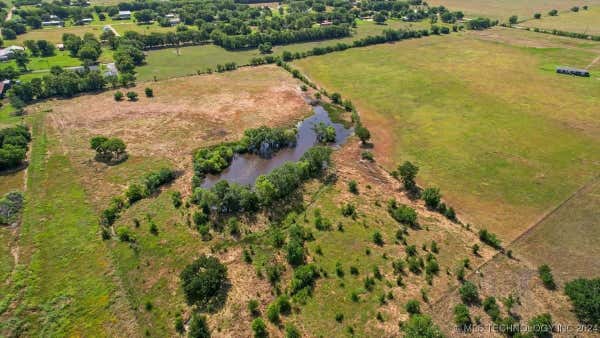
(13,146)
(148,185)
(228,198)
(42,48)
(87,49)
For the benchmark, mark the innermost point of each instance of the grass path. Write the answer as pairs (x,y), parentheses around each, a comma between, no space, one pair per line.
(65,284)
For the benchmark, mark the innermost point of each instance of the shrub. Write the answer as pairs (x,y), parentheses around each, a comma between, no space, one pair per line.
(353,270)
(585,296)
(253,307)
(553,12)
(545,274)
(339,317)
(204,281)
(367,155)
(259,328)
(513,20)
(198,327)
(489,239)
(179,325)
(377,238)
(149,92)
(354,297)
(363,133)
(125,235)
(348,210)
(432,197)
(273,313)
(353,187)
(132,96)
(10,207)
(421,326)
(402,213)
(304,278)
(408,173)
(462,317)
(291,331)
(413,307)
(284,305)
(118,95)
(468,293)
(491,308)
(537,15)
(176,199)
(541,325)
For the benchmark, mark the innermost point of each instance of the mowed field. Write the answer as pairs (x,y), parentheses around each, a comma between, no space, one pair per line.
(168,63)
(503,9)
(490,123)
(67,281)
(586,22)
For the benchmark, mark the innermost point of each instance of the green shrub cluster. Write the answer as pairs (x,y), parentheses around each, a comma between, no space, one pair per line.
(13,146)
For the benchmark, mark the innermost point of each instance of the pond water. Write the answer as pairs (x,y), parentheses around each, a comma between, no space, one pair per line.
(245,168)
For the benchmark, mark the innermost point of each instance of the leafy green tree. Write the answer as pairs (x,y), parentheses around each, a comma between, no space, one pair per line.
(149,92)
(432,197)
(545,274)
(413,307)
(490,306)
(21,59)
(379,18)
(132,96)
(198,327)
(421,326)
(537,16)
(408,173)
(513,20)
(541,325)
(259,328)
(468,293)
(585,296)
(265,48)
(204,282)
(363,133)
(462,317)
(553,12)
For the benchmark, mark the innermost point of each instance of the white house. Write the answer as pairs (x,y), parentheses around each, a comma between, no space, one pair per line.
(124,15)
(7,53)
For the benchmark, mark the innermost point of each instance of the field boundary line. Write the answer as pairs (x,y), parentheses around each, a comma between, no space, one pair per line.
(539,221)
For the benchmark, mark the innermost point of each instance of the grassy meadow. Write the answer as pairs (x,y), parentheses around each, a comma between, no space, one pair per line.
(167,63)
(490,123)
(586,22)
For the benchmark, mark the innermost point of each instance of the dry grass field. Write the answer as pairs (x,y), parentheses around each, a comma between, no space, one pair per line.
(503,9)
(586,22)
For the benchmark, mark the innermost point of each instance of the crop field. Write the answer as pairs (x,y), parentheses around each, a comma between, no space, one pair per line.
(490,123)
(585,22)
(168,63)
(503,9)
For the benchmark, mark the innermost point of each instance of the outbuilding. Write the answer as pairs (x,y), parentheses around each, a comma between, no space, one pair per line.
(573,71)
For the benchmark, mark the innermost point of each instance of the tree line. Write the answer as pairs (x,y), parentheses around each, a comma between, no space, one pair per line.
(13,146)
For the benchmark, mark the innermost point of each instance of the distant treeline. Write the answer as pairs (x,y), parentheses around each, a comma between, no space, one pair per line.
(233,42)
(567,34)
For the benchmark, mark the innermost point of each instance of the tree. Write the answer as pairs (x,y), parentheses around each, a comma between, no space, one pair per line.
(21,59)
(132,96)
(541,325)
(149,92)
(408,173)
(585,296)
(545,274)
(377,238)
(204,282)
(537,16)
(97,141)
(553,12)
(144,16)
(379,18)
(265,48)
(421,326)
(259,328)
(432,197)
(198,327)
(513,20)
(468,293)
(462,317)
(413,307)
(118,95)
(363,133)
(336,98)
(8,34)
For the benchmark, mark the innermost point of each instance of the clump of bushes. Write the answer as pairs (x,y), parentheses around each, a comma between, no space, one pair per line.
(585,296)
(10,207)
(490,239)
(468,293)
(545,274)
(110,150)
(13,146)
(402,213)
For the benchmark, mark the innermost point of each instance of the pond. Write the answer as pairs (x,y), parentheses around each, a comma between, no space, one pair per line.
(245,168)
